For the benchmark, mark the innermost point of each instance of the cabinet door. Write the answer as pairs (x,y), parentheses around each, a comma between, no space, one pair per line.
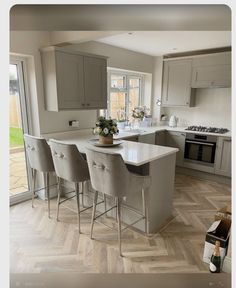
(95,81)
(70,80)
(223,157)
(176,88)
(132,138)
(176,140)
(148,138)
(160,138)
(211,76)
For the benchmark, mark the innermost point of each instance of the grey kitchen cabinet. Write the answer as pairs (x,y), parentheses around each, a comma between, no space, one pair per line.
(132,138)
(95,79)
(73,80)
(212,71)
(147,138)
(223,157)
(160,138)
(213,76)
(176,83)
(177,140)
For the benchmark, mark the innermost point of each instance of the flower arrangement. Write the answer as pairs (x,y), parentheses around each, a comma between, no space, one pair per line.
(106,127)
(140,112)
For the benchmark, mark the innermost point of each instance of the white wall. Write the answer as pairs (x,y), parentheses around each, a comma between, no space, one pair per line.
(213,108)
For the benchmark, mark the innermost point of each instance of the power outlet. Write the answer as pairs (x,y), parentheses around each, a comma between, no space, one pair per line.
(74,123)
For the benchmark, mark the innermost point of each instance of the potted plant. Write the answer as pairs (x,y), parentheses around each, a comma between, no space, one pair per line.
(106,128)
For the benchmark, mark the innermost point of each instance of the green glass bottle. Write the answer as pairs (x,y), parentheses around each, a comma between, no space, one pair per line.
(215,263)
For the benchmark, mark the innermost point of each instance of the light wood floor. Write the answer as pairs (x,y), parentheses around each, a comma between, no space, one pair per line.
(39,244)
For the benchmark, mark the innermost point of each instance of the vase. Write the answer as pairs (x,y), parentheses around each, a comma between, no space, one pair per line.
(106,139)
(137,123)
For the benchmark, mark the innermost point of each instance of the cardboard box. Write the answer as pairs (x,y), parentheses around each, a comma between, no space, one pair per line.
(219,230)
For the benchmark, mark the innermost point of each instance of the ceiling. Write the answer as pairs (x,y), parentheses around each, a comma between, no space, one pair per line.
(157,29)
(148,17)
(156,43)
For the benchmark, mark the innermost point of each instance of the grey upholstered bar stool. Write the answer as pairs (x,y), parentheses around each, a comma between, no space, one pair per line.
(110,175)
(40,159)
(71,166)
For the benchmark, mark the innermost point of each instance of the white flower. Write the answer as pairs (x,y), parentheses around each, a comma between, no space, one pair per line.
(105,131)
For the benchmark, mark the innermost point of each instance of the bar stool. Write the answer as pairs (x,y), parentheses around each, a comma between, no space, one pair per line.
(110,176)
(40,159)
(71,166)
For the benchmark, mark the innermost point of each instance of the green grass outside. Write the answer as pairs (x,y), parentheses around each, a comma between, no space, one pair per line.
(16,137)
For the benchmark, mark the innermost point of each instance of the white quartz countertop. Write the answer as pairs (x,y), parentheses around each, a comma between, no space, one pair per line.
(153,129)
(133,153)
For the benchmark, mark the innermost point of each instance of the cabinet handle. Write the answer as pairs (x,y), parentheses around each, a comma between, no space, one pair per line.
(187,103)
(83,104)
(88,104)
(183,134)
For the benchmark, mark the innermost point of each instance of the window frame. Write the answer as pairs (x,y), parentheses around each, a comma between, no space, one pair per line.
(128,75)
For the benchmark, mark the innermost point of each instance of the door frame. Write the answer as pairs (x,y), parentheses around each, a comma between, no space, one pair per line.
(21,66)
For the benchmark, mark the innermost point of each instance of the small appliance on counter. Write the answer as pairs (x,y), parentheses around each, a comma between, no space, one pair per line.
(173,121)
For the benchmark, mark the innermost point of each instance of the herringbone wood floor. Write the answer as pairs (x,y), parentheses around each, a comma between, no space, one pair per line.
(39,244)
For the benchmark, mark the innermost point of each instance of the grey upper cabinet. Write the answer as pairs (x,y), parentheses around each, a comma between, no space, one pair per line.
(95,79)
(212,71)
(73,80)
(177,140)
(223,157)
(176,85)
(69,81)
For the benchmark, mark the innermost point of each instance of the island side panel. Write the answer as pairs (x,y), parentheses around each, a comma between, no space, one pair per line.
(160,202)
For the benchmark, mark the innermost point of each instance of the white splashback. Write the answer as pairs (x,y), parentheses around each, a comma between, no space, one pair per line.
(213,108)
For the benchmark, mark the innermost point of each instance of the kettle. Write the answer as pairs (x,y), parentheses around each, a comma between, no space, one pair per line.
(173,121)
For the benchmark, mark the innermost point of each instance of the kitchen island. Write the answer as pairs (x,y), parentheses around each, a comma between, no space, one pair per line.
(156,161)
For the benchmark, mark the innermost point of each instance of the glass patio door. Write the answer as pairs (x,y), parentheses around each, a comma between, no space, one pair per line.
(18,125)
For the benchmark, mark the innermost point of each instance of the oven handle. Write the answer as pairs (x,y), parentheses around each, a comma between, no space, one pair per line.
(197,142)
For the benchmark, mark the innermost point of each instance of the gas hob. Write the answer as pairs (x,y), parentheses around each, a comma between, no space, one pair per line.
(207,129)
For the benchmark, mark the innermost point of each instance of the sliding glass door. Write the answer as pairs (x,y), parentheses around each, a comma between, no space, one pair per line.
(18,125)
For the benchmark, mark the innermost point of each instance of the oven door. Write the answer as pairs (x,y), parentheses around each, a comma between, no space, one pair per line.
(200,151)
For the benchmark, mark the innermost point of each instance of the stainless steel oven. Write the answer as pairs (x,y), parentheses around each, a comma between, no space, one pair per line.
(200,148)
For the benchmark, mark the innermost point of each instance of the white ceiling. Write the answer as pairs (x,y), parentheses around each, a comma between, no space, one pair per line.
(156,43)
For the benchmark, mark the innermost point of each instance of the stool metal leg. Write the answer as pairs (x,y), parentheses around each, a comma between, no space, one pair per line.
(105,202)
(119,224)
(78,203)
(83,188)
(33,185)
(93,213)
(145,211)
(48,195)
(58,195)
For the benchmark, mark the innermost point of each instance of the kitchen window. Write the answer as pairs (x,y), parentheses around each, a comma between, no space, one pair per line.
(125,91)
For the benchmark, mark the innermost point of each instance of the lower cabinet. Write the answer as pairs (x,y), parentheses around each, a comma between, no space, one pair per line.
(147,138)
(223,157)
(160,138)
(177,140)
(132,138)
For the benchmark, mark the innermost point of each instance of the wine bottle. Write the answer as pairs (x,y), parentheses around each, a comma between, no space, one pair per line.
(215,263)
